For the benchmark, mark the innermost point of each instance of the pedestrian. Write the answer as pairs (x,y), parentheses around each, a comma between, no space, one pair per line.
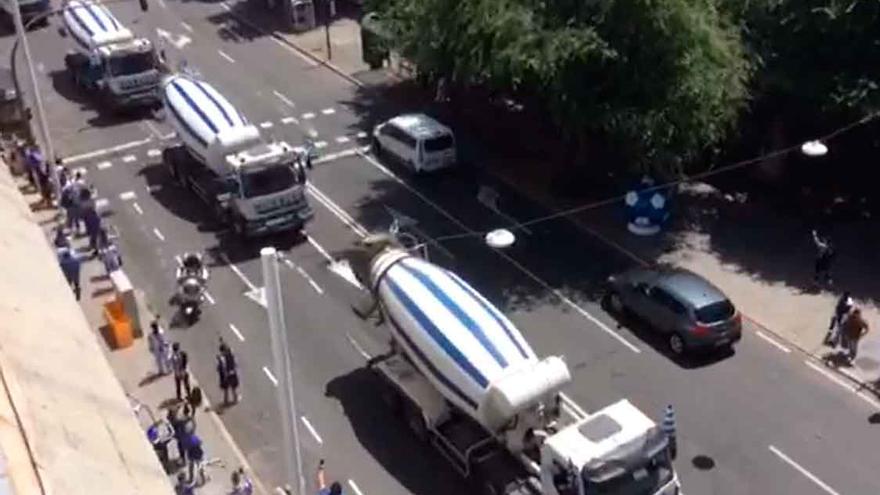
(183,487)
(196,458)
(195,400)
(824,257)
(70,266)
(178,425)
(158,344)
(231,373)
(221,377)
(241,483)
(180,366)
(853,328)
(92,221)
(668,428)
(334,489)
(109,252)
(63,173)
(45,184)
(844,305)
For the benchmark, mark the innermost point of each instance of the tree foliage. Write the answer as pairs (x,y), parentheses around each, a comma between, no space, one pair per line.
(664,80)
(819,55)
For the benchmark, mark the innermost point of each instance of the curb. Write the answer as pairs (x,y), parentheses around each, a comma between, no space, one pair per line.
(282,38)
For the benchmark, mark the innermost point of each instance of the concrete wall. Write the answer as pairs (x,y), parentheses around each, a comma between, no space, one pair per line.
(66,426)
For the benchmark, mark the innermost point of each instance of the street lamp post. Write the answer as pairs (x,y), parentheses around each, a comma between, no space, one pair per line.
(38,100)
(329,14)
(282,365)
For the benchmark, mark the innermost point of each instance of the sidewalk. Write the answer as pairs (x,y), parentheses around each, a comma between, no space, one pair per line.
(66,425)
(763,260)
(135,370)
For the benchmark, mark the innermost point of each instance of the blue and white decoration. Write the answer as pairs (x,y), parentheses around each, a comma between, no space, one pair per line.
(647,209)
(92,25)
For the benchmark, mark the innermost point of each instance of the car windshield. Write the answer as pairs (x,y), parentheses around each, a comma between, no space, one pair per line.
(717,311)
(267,180)
(131,63)
(439,143)
(644,480)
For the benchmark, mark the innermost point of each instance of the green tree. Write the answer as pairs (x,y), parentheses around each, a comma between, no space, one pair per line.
(662,80)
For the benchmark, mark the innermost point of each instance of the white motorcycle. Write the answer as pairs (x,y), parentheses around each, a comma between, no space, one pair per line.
(192,281)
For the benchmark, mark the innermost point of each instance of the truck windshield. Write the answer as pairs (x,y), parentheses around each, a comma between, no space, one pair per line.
(131,63)
(267,180)
(646,479)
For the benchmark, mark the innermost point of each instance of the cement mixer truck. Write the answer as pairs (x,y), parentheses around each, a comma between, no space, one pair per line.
(109,62)
(255,186)
(467,382)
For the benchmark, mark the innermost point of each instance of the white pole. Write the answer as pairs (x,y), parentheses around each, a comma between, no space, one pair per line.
(282,364)
(49,154)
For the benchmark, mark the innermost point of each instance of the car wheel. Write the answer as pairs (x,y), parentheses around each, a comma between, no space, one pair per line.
(616,303)
(377,148)
(676,344)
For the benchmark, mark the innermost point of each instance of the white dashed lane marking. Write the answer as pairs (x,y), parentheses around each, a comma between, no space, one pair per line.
(270,376)
(137,208)
(127,195)
(236,331)
(158,234)
(154,153)
(328,111)
(342,139)
(320,144)
(226,56)
(308,116)
(290,120)
(283,98)
(104,165)
(128,158)
(266,125)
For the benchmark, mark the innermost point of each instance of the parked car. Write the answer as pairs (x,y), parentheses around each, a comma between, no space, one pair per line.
(416,140)
(687,309)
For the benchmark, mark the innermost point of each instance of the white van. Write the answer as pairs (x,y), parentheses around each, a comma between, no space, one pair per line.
(418,141)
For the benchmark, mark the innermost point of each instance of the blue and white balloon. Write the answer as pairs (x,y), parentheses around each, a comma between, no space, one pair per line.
(647,209)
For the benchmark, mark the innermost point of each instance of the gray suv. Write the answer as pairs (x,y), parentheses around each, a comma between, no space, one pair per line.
(690,311)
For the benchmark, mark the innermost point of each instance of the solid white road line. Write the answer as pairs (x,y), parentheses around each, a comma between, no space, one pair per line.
(283,98)
(236,332)
(270,376)
(158,234)
(137,208)
(312,429)
(810,476)
(186,26)
(328,111)
(304,57)
(320,249)
(343,139)
(266,124)
(104,165)
(831,376)
(605,328)
(127,195)
(128,158)
(773,342)
(152,153)
(308,116)
(355,488)
(336,210)
(238,272)
(210,299)
(226,56)
(289,120)
(105,151)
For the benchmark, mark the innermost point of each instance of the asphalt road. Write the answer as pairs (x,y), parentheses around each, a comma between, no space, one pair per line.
(759,421)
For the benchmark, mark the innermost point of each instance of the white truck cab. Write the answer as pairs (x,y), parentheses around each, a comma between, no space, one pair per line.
(109,61)
(615,450)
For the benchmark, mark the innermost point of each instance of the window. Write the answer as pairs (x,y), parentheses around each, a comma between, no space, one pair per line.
(666,300)
(132,63)
(439,143)
(715,312)
(267,181)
